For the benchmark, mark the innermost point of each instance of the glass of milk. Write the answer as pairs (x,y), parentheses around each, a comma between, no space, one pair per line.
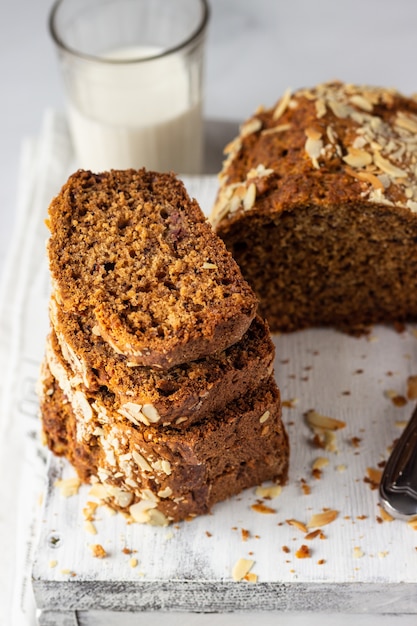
(133,71)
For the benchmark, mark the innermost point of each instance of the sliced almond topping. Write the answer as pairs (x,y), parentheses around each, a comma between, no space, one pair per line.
(320,108)
(388,167)
(316,420)
(251,126)
(362,103)
(357,158)
(322,519)
(249,198)
(241,568)
(366,177)
(141,461)
(407,122)
(313,134)
(339,109)
(313,147)
(282,104)
(281,128)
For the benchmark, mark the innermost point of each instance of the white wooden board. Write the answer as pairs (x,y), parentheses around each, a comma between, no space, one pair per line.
(363,564)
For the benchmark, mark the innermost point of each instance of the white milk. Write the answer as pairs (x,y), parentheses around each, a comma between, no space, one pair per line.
(136,114)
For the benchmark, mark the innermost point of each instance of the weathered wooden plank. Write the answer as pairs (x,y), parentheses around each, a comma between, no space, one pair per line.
(363,564)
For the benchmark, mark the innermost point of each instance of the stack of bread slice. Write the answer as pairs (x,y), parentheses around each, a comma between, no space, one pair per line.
(158,381)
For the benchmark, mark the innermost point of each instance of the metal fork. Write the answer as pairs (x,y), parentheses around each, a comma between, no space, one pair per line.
(398,486)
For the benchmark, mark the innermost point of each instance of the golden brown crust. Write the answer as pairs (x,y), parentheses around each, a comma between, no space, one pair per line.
(318,204)
(134,249)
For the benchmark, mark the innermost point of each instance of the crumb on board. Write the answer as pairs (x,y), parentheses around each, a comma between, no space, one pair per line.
(322,519)
(260,507)
(303,552)
(98,551)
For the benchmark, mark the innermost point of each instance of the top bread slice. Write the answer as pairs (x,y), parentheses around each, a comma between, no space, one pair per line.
(131,246)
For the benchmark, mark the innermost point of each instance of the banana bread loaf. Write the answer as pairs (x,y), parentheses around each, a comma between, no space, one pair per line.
(160,476)
(134,250)
(318,204)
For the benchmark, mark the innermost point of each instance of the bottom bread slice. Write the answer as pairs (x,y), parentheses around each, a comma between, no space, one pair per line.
(159,477)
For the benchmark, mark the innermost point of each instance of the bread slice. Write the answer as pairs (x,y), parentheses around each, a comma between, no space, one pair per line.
(165,476)
(83,362)
(132,248)
(318,205)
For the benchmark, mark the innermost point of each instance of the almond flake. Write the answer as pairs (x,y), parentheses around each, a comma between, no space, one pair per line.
(357,158)
(90,528)
(297,524)
(339,109)
(362,103)
(388,167)
(313,134)
(320,108)
(412,524)
(249,197)
(282,104)
(252,126)
(68,486)
(366,177)
(322,519)
(320,462)
(264,417)
(281,128)
(323,422)
(407,122)
(209,266)
(268,492)
(241,568)
(251,577)
(262,508)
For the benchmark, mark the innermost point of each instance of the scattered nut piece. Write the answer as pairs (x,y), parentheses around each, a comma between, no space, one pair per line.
(357,552)
(133,562)
(241,568)
(259,507)
(322,519)
(53,563)
(323,422)
(245,534)
(90,528)
(251,577)
(268,492)
(68,486)
(303,552)
(412,524)
(297,524)
(373,477)
(98,551)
